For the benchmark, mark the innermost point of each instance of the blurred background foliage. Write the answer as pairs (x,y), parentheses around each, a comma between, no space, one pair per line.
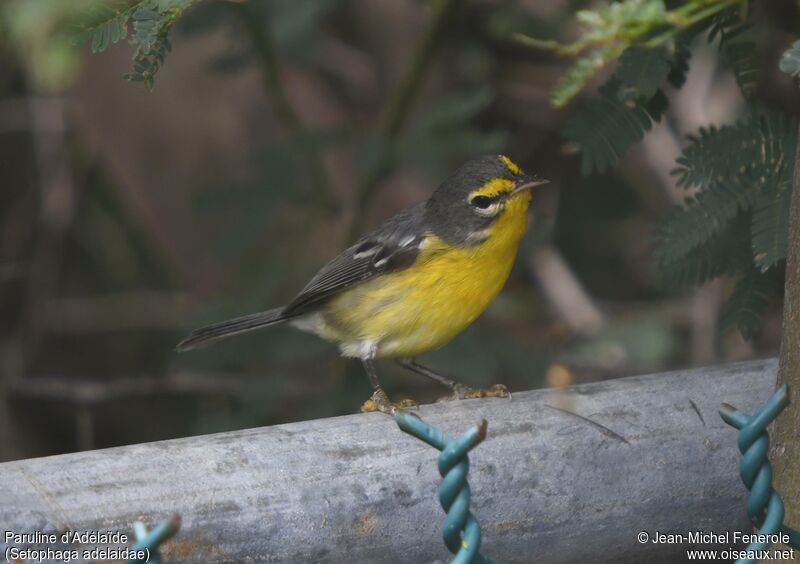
(270,133)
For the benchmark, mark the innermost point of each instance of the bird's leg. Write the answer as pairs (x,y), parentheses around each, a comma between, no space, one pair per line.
(379,401)
(460,391)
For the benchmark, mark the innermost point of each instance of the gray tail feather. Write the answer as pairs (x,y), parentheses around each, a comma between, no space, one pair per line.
(224,329)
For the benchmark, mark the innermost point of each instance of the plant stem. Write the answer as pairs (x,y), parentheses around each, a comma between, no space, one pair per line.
(679,19)
(548,44)
(785,451)
(685,21)
(398,110)
(264,45)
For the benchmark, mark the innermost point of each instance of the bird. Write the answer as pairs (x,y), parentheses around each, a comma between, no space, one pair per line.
(415,282)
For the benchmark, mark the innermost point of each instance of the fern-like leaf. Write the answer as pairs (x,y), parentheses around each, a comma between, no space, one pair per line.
(738,221)
(747,151)
(698,220)
(103,26)
(641,72)
(738,48)
(770,226)
(624,109)
(746,305)
(739,169)
(604,130)
(726,252)
(577,76)
(679,63)
(151,21)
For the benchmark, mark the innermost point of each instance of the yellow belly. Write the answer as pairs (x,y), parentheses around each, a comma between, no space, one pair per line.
(423,307)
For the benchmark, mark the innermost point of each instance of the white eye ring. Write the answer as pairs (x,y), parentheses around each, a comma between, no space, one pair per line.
(485,206)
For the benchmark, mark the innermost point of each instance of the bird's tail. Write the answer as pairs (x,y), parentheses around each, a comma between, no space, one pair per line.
(224,329)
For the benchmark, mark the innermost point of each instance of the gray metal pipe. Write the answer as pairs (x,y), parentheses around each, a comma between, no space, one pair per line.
(562,477)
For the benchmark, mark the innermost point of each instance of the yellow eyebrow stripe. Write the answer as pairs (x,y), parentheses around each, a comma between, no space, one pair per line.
(495,187)
(511,165)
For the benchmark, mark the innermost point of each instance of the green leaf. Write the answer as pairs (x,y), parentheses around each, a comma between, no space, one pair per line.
(100,38)
(608,125)
(641,71)
(173,5)
(725,252)
(738,48)
(740,153)
(576,78)
(657,105)
(679,64)
(748,302)
(143,13)
(741,57)
(770,226)
(743,173)
(608,22)
(152,22)
(624,109)
(790,61)
(116,30)
(604,130)
(697,221)
(151,37)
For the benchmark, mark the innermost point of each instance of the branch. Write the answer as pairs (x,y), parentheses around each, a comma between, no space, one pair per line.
(637,31)
(570,301)
(264,44)
(611,29)
(785,446)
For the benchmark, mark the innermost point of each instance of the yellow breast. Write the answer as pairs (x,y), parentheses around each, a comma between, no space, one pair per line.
(424,306)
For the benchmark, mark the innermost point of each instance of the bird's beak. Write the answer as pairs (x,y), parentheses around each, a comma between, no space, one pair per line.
(526,183)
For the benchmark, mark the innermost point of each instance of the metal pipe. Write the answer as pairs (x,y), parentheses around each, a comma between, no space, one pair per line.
(568,476)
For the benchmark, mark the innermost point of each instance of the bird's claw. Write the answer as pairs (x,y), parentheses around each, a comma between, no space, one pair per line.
(379,401)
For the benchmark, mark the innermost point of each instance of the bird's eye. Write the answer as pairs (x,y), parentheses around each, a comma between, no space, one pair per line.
(482,202)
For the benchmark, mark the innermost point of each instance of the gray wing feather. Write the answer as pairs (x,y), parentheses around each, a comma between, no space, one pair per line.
(392,246)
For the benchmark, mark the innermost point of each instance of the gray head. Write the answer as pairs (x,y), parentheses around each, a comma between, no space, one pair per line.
(475,196)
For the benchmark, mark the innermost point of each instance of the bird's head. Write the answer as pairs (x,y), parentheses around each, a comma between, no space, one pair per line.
(478,194)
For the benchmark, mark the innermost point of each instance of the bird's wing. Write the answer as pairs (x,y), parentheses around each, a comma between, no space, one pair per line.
(392,246)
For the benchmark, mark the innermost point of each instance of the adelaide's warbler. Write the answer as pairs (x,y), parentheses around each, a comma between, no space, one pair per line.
(416,281)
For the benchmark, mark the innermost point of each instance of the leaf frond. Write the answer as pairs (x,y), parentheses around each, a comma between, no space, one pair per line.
(681,53)
(742,173)
(623,110)
(770,225)
(738,48)
(150,20)
(579,75)
(641,72)
(747,303)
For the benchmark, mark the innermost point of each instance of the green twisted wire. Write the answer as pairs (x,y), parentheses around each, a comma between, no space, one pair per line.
(151,540)
(462,534)
(764,506)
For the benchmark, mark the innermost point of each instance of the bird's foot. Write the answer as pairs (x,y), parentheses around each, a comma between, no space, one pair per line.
(379,401)
(462,391)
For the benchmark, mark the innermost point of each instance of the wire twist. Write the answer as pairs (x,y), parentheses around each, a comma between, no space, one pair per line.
(764,505)
(462,534)
(151,540)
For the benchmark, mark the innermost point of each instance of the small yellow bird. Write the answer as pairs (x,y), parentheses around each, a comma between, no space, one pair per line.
(415,282)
